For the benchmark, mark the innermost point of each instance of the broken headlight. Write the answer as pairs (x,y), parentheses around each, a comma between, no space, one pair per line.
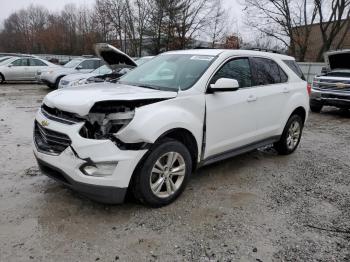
(101,125)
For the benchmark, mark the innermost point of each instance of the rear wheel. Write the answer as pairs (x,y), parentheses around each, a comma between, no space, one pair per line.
(163,175)
(291,136)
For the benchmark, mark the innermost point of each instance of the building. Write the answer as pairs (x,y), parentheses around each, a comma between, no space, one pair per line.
(315,42)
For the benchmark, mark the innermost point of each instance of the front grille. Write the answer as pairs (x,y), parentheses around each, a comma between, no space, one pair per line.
(60,116)
(333,85)
(49,141)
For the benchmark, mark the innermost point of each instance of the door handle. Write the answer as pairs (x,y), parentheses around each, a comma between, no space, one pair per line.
(286,90)
(252,98)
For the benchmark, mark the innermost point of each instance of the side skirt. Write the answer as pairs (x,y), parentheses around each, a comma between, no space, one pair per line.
(239,151)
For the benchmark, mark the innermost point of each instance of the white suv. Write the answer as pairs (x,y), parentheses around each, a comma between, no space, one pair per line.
(160,122)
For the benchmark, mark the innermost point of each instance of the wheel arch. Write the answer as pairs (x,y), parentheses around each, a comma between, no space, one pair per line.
(180,134)
(185,137)
(301,111)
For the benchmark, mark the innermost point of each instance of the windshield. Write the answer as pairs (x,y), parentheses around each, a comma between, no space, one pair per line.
(73,63)
(169,72)
(102,70)
(142,60)
(3,59)
(338,74)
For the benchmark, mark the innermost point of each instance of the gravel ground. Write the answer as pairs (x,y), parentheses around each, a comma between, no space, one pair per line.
(255,207)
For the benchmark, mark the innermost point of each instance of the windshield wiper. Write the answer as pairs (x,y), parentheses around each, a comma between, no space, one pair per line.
(139,85)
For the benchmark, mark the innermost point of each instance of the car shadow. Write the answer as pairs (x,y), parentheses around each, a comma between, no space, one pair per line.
(336,112)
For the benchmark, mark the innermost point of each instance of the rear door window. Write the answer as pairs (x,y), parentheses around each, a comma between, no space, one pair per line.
(295,67)
(238,69)
(267,72)
(20,62)
(36,62)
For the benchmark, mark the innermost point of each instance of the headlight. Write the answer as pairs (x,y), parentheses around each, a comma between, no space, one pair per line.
(315,84)
(79,82)
(104,125)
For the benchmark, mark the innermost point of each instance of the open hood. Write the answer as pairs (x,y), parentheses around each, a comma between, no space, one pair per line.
(338,60)
(113,57)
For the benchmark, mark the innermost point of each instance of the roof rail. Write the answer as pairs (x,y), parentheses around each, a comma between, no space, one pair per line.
(264,50)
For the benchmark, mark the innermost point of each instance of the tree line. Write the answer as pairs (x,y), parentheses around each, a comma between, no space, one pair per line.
(128,24)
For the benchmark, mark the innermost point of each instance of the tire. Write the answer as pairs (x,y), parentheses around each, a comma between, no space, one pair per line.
(291,136)
(57,82)
(154,171)
(315,107)
(2,79)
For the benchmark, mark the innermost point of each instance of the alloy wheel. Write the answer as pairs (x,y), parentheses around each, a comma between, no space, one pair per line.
(294,134)
(168,174)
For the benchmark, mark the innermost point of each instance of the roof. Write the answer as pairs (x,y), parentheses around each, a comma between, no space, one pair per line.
(233,52)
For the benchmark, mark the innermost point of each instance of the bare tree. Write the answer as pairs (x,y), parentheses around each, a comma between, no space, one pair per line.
(338,21)
(217,28)
(290,22)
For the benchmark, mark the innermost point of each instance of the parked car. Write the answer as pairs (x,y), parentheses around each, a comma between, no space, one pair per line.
(78,65)
(332,88)
(23,68)
(164,119)
(116,64)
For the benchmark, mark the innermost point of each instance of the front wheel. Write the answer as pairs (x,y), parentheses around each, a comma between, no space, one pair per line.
(163,175)
(316,107)
(56,85)
(2,80)
(291,136)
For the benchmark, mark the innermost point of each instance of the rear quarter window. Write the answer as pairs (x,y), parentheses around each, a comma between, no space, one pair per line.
(295,67)
(267,72)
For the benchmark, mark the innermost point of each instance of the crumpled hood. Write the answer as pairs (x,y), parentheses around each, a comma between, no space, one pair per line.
(79,100)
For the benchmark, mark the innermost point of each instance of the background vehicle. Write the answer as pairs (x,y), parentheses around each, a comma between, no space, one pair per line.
(164,119)
(332,88)
(52,77)
(23,68)
(116,64)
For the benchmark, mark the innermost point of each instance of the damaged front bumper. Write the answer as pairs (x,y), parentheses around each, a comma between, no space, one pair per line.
(68,165)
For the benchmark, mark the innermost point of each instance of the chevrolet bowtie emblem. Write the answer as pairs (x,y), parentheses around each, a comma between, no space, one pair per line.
(44,123)
(340,85)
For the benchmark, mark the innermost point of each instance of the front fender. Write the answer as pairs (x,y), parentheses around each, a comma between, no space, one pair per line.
(151,121)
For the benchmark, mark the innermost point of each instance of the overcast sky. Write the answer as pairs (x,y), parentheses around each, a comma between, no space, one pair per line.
(9,6)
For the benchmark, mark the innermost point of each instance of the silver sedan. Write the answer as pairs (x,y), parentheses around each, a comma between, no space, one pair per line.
(23,68)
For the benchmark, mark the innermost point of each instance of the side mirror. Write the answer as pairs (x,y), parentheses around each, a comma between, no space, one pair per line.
(224,85)
(10,65)
(79,67)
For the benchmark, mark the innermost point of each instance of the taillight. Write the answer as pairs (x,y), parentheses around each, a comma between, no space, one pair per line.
(309,88)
